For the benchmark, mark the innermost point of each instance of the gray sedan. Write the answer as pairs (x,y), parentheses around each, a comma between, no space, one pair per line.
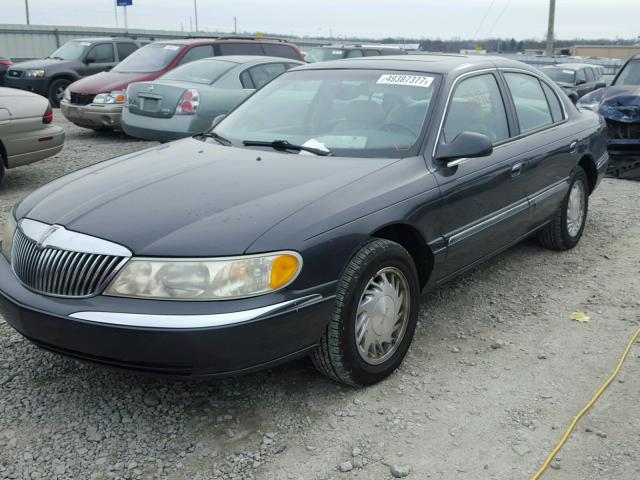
(185,101)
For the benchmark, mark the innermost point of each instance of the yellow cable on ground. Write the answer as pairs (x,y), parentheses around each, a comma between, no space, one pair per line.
(595,398)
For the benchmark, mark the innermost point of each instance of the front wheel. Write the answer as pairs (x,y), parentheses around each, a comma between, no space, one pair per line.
(56,91)
(377,303)
(566,228)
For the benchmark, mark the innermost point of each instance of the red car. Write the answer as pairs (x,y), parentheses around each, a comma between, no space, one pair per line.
(96,102)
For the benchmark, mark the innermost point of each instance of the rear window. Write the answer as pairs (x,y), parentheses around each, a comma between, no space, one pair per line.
(284,51)
(240,49)
(324,54)
(152,58)
(199,71)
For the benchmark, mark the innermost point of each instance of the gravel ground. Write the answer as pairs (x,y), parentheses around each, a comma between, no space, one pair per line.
(496,372)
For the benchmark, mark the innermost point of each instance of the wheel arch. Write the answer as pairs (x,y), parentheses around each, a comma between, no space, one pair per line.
(4,156)
(413,241)
(588,164)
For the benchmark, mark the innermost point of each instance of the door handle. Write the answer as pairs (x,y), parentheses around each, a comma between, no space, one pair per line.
(516,169)
(572,146)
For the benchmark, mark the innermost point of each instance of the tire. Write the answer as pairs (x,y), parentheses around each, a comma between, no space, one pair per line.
(338,356)
(56,91)
(2,168)
(562,233)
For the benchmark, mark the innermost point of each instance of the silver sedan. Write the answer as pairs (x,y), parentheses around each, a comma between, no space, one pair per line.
(26,133)
(185,101)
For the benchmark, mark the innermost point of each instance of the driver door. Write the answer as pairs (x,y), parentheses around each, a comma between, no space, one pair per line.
(485,206)
(100,58)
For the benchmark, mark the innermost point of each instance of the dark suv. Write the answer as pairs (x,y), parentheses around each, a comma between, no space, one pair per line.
(332,52)
(79,58)
(576,79)
(96,102)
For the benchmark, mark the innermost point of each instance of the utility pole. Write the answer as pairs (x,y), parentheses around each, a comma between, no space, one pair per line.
(235,25)
(115,12)
(126,23)
(26,8)
(552,20)
(195,9)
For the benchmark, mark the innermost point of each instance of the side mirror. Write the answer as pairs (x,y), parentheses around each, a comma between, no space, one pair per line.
(90,59)
(465,145)
(217,120)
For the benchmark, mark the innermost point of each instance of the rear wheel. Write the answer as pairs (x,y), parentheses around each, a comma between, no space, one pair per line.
(377,303)
(56,91)
(566,228)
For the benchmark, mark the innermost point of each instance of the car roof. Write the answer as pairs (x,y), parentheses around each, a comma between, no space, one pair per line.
(196,41)
(240,59)
(428,63)
(358,46)
(102,39)
(573,66)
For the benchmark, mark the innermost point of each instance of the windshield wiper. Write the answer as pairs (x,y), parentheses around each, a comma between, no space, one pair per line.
(218,138)
(285,145)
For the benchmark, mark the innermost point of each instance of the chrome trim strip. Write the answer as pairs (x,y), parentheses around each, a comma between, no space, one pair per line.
(484,224)
(64,239)
(195,321)
(602,160)
(550,191)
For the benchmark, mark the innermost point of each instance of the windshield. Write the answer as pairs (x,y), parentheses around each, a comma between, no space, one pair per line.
(200,71)
(352,113)
(324,54)
(151,58)
(71,50)
(629,75)
(560,75)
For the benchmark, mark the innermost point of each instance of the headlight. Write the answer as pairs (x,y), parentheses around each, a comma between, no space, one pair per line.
(206,279)
(34,73)
(8,232)
(119,96)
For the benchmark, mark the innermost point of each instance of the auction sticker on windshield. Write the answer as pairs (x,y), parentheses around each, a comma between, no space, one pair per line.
(406,80)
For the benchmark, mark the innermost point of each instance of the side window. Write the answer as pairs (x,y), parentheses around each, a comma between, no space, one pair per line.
(477,106)
(263,74)
(372,53)
(354,53)
(284,51)
(580,77)
(240,49)
(197,53)
(102,53)
(125,49)
(531,104)
(590,75)
(245,80)
(554,103)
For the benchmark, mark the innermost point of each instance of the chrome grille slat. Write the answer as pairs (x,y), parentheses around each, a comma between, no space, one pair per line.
(58,272)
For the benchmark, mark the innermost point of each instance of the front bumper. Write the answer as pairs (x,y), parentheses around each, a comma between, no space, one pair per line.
(35,85)
(151,338)
(93,115)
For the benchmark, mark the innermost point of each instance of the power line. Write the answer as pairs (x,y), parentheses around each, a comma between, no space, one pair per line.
(499,17)
(486,14)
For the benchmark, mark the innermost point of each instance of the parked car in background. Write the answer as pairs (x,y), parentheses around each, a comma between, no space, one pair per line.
(576,79)
(185,101)
(96,102)
(619,104)
(330,52)
(26,133)
(308,222)
(79,58)
(5,63)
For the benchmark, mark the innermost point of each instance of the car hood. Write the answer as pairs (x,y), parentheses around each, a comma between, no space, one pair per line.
(191,198)
(618,102)
(110,81)
(41,63)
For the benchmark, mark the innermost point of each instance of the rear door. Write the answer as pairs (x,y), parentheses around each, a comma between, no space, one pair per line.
(485,205)
(582,83)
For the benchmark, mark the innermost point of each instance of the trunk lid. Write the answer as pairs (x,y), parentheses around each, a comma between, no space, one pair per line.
(155,99)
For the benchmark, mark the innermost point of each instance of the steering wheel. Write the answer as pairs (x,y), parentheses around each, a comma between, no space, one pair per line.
(395,127)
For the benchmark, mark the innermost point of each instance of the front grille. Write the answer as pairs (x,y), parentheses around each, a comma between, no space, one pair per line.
(58,272)
(623,131)
(81,98)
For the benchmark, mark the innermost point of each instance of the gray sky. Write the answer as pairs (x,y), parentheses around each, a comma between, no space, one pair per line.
(369,18)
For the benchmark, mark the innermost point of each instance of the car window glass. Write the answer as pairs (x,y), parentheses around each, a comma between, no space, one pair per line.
(371,53)
(554,103)
(354,53)
(102,53)
(245,80)
(531,104)
(152,58)
(323,54)
(197,53)
(275,50)
(200,71)
(240,49)
(580,76)
(477,106)
(263,74)
(558,74)
(629,75)
(589,74)
(71,50)
(125,49)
